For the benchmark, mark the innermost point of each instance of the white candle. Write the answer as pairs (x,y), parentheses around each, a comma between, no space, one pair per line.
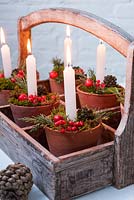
(31,72)
(69,89)
(6,58)
(67,45)
(100,62)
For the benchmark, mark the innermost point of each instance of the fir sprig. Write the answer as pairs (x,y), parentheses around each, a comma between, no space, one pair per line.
(6,84)
(39,121)
(90,119)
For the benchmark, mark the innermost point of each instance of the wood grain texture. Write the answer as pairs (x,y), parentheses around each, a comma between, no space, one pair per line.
(23,37)
(6,110)
(124,140)
(85,171)
(20,147)
(87,174)
(111,34)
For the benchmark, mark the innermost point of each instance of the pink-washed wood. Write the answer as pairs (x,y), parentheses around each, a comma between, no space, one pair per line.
(99,27)
(124,141)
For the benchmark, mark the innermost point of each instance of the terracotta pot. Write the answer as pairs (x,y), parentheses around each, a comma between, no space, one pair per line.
(28,111)
(4,96)
(59,87)
(60,144)
(56,87)
(97,101)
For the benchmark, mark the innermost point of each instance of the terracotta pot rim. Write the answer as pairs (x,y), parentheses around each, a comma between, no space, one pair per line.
(63,80)
(93,94)
(41,106)
(5,90)
(70,133)
(55,80)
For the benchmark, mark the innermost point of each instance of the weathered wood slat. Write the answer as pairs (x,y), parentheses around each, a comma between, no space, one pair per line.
(20,147)
(83,177)
(85,171)
(124,141)
(113,35)
(16,134)
(85,156)
(7,111)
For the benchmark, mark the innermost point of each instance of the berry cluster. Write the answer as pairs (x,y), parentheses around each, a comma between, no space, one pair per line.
(19,75)
(90,83)
(36,100)
(65,125)
(57,72)
(93,86)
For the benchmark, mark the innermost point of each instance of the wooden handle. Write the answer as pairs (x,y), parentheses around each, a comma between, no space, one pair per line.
(111,34)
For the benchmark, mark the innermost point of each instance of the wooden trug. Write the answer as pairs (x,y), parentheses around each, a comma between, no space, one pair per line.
(71,175)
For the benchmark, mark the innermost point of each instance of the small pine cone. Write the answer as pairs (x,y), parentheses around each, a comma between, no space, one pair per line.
(42,90)
(15,182)
(110,81)
(85,114)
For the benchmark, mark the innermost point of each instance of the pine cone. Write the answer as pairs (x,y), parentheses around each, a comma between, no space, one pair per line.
(42,90)
(110,81)
(85,114)
(15,182)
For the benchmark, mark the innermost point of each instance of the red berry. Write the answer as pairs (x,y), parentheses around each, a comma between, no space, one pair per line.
(1,75)
(97,84)
(43,98)
(22,97)
(58,123)
(39,99)
(71,123)
(31,98)
(103,85)
(74,128)
(13,80)
(62,122)
(53,74)
(19,76)
(57,118)
(21,72)
(76,124)
(62,130)
(69,128)
(88,82)
(81,123)
(98,81)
